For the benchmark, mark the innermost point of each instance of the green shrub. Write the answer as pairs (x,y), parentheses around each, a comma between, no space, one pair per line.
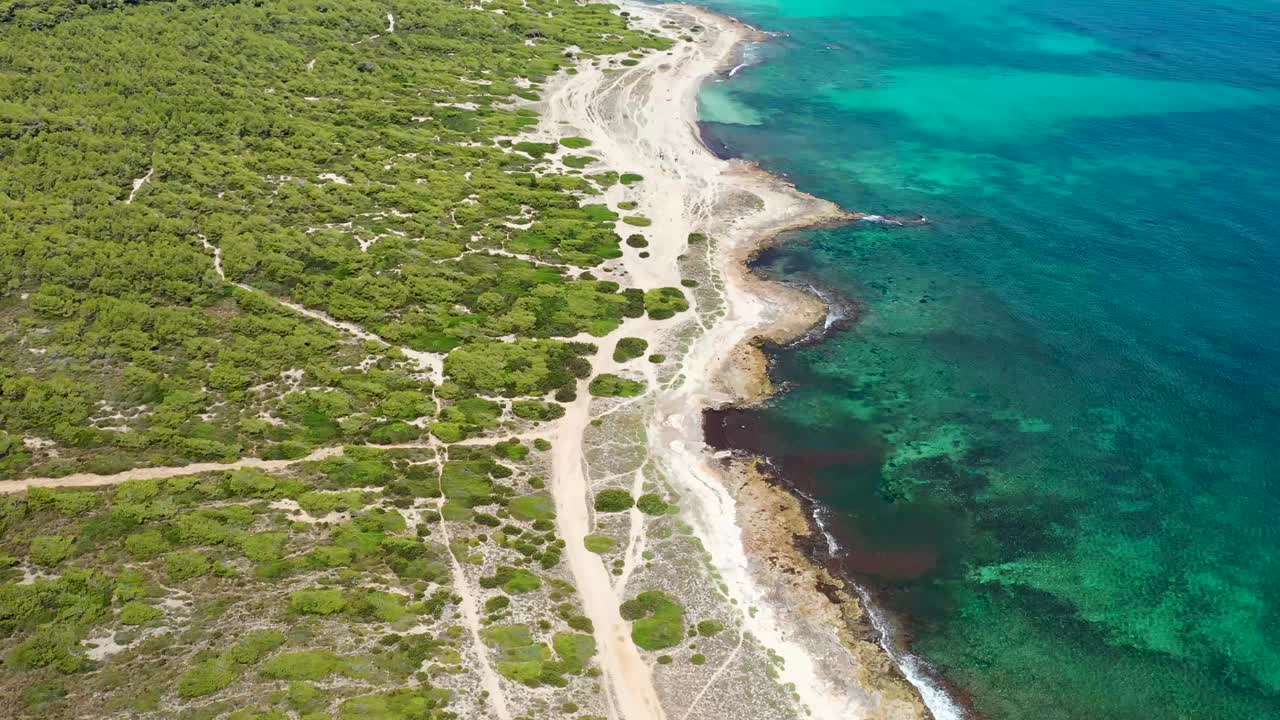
(187,564)
(64,502)
(50,550)
(317,602)
(657,620)
(323,503)
(137,613)
(422,703)
(610,385)
(206,678)
(512,580)
(710,628)
(574,649)
(637,241)
(533,149)
(330,556)
(628,205)
(54,646)
(374,606)
(575,143)
(698,659)
(42,694)
(652,504)
(630,178)
(146,544)
(305,698)
(629,348)
(637,220)
(537,410)
(265,546)
(534,507)
(613,500)
(657,358)
(599,544)
(255,645)
(304,665)
(663,303)
(578,161)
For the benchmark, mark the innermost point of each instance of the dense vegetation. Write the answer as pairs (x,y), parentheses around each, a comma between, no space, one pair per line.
(371,175)
(322,587)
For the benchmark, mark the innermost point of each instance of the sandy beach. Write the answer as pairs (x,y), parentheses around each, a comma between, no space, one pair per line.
(643,119)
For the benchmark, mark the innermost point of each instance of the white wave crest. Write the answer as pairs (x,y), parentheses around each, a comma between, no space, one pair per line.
(935,698)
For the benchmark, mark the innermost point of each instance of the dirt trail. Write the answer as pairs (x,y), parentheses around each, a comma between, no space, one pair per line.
(92,480)
(629,685)
(638,120)
(138,183)
(468,606)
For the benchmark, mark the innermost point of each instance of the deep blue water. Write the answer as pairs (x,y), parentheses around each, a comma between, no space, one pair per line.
(1050,441)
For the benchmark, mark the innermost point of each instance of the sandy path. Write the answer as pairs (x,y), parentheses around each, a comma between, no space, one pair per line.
(138,183)
(467,605)
(629,686)
(92,480)
(639,119)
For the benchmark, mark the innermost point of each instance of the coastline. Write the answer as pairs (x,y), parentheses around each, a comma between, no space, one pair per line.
(780,534)
(642,117)
(779,525)
(754,528)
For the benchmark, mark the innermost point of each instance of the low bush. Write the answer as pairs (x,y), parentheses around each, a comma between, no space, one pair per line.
(137,613)
(657,620)
(652,504)
(599,544)
(317,602)
(663,303)
(537,410)
(187,564)
(710,628)
(49,550)
(512,580)
(613,500)
(629,348)
(610,385)
(305,665)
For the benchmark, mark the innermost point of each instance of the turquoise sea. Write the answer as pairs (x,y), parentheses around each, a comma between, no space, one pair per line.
(1047,435)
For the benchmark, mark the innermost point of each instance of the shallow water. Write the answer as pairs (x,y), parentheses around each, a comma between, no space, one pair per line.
(1049,440)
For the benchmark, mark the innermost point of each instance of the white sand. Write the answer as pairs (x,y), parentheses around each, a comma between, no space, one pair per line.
(643,119)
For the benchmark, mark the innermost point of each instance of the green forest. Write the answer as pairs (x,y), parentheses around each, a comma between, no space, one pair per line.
(170,172)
